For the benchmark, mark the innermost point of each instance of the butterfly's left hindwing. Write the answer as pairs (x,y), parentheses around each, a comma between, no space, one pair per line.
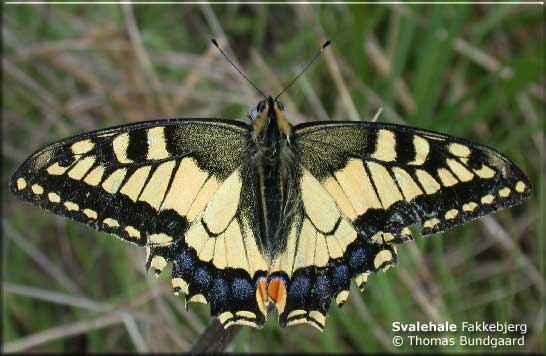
(362,186)
(324,250)
(173,186)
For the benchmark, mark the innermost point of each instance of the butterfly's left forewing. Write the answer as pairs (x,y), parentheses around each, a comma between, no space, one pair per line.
(386,178)
(181,188)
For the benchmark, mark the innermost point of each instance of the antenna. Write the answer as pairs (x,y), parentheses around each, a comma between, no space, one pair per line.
(213,40)
(326,44)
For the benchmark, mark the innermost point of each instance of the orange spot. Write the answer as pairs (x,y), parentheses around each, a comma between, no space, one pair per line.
(273,289)
(277,292)
(262,290)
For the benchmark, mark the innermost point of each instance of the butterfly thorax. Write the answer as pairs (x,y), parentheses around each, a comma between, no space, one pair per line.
(271,135)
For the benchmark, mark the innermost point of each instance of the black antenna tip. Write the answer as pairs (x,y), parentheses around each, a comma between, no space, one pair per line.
(326,44)
(213,40)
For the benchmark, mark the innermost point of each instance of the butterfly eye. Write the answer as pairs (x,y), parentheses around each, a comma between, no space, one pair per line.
(261,106)
(280,105)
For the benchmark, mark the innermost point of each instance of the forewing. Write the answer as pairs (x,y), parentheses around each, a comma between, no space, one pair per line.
(129,180)
(386,178)
(174,186)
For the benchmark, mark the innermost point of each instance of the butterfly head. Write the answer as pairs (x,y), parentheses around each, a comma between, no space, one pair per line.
(267,110)
(267,106)
(269,113)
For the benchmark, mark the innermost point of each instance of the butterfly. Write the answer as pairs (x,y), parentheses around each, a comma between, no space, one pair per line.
(266,214)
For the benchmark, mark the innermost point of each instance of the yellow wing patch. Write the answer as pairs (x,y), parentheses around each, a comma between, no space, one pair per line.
(323,232)
(216,234)
(357,186)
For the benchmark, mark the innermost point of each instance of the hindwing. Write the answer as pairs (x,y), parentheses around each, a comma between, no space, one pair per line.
(173,186)
(324,250)
(361,187)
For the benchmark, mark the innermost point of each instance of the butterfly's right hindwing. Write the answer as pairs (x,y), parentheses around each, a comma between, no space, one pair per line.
(176,187)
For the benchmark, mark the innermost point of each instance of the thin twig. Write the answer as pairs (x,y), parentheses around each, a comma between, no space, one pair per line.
(193,78)
(314,101)
(383,64)
(215,338)
(421,296)
(55,297)
(134,332)
(344,92)
(220,35)
(376,328)
(62,331)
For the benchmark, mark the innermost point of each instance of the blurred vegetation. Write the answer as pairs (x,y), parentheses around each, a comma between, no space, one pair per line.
(475,71)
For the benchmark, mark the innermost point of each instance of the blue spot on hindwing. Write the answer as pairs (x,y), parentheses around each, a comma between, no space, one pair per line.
(219,291)
(202,278)
(299,288)
(357,259)
(241,289)
(184,262)
(322,287)
(341,273)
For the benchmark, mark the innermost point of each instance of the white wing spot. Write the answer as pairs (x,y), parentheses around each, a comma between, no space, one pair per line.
(487,199)
(470,206)
(504,192)
(520,187)
(382,257)
(54,197)
(160,239)
(71,206)
(485,172)
(37,189)
(431,223)
(110,222)
(91,214)
(451,214)
(56,169)
(21,183)
(82,147)
(132,232)
(459,150)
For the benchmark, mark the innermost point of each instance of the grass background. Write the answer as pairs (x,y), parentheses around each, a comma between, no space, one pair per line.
(475,71)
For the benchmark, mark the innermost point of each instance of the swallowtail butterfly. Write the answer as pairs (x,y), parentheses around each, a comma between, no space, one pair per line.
(266,213)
